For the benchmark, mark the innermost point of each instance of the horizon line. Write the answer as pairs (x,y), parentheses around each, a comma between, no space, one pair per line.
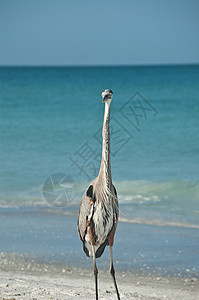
(98,66)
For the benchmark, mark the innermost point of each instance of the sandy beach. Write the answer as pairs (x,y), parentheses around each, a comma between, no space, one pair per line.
(42,258)
(25,279)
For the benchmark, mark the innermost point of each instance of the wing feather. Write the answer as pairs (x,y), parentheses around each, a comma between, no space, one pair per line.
(84,211)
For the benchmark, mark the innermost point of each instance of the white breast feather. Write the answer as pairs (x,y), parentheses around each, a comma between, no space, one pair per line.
(101,231)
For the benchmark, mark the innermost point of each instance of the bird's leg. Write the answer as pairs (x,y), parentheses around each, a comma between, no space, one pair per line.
(95,272)
(112,270)
(92,241)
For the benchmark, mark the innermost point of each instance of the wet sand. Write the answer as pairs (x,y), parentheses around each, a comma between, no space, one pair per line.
(23,278)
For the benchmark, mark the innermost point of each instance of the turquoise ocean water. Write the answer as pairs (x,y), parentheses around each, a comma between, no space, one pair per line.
(51,123)
(50,139)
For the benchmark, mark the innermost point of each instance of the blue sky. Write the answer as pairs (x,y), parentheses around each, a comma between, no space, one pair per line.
(77,32)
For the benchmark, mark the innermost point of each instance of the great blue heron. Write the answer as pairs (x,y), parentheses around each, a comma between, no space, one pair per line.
(98,213)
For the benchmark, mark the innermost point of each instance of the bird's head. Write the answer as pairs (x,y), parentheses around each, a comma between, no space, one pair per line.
(107,96)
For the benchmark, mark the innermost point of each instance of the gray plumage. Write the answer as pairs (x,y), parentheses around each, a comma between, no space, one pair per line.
(98,213)
(104,215)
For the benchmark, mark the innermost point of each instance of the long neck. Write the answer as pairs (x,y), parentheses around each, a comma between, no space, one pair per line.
(105,169)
